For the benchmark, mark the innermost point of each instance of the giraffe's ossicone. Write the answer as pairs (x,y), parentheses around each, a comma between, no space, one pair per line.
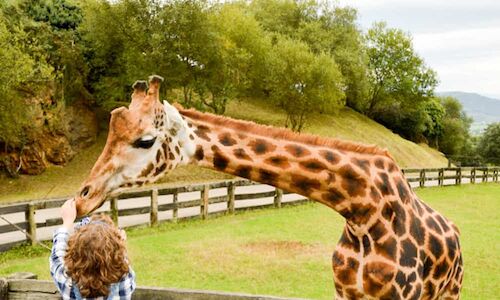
(393,245)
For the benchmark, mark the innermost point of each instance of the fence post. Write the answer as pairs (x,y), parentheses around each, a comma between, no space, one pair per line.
(422,177)
(113,205)
(31,230)
(277,198)
(4,288)
(458,177)
(485,174)
(495,175)
(204,202)
(175,211)
(473,175)
(153,214)
(441,177)
(230,197)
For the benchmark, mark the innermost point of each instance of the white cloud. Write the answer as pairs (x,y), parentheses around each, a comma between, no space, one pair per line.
(467,59)
(459,39)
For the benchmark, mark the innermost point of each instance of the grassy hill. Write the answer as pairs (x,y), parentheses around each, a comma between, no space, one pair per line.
(59,181)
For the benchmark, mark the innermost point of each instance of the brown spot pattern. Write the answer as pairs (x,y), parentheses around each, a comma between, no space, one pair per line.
(226,139)
(261,146)
(304,184)
(241,154)
(352,182)
(297,150)
(330,156)
(313,165)
(279,161)
(202,132)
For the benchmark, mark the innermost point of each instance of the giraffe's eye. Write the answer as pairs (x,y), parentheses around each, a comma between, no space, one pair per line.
(144,142)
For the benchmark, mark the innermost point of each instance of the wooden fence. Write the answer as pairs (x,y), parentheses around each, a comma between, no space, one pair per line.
(448,176)
(416,177)
(26,287)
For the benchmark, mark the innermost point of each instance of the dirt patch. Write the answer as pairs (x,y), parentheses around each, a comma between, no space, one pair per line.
(286,248)
(269,249)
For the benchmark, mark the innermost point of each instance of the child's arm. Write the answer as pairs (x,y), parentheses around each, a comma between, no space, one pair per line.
(60,243)
(57,270)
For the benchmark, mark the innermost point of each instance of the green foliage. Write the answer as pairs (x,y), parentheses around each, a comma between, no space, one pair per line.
(489,144)
(247,45)
(456,126)
(397,72)
(21,65)
(401,83)
(334,30)
(302,56)
(326,29)
(302,83)
(450,133)
(117,38)
(52,25)
(435,112)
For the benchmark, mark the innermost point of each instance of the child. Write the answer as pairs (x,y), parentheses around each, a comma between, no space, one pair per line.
(92,262)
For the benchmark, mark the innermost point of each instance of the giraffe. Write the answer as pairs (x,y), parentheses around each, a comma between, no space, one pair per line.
(393,245)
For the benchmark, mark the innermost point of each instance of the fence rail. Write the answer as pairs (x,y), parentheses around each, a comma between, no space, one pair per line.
(26,287)
(36,216)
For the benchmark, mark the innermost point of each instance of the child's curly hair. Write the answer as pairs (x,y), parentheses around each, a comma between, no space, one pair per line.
(96,256)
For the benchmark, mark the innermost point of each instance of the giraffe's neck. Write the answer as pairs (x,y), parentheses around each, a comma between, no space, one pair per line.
(349,178)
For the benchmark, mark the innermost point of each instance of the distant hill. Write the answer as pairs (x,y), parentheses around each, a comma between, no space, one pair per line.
(483,110)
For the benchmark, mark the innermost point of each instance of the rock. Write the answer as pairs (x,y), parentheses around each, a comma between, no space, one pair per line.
(57,148)
(61,131)
(82,126)
(33,161)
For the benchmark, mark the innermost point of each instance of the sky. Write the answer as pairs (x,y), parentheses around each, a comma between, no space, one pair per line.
(458,39)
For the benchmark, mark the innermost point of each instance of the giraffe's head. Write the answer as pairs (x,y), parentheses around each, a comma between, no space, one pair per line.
(144,141)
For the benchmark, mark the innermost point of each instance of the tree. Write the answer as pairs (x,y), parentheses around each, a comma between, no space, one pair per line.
(302,83)
(435,113)
(325,28)
(455,132)
(247,47)
(23,68)
(489,144)
(397,73)
(52,26)
(120,47)
(334,30)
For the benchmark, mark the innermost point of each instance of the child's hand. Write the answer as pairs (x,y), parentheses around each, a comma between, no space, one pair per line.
(68,213)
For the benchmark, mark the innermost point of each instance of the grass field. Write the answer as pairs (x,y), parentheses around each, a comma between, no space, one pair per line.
(287,252)
(59,181)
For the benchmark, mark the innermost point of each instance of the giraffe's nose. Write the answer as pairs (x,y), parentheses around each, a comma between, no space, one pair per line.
(85,191)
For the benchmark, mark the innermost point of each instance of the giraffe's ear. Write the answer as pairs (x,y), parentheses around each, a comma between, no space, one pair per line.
(154,87)
(145,101)
(173,115)
(120,120)
(140,87)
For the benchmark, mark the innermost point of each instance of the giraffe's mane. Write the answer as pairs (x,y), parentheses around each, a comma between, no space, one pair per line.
(280,133)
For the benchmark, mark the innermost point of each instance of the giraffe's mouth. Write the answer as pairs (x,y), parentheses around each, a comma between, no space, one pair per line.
(87,206)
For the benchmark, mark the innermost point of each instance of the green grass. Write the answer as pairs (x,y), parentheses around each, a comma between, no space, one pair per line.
(348,125)
(59,181)
(287,252)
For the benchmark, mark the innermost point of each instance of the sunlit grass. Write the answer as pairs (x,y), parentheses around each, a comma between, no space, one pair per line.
(287,252)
